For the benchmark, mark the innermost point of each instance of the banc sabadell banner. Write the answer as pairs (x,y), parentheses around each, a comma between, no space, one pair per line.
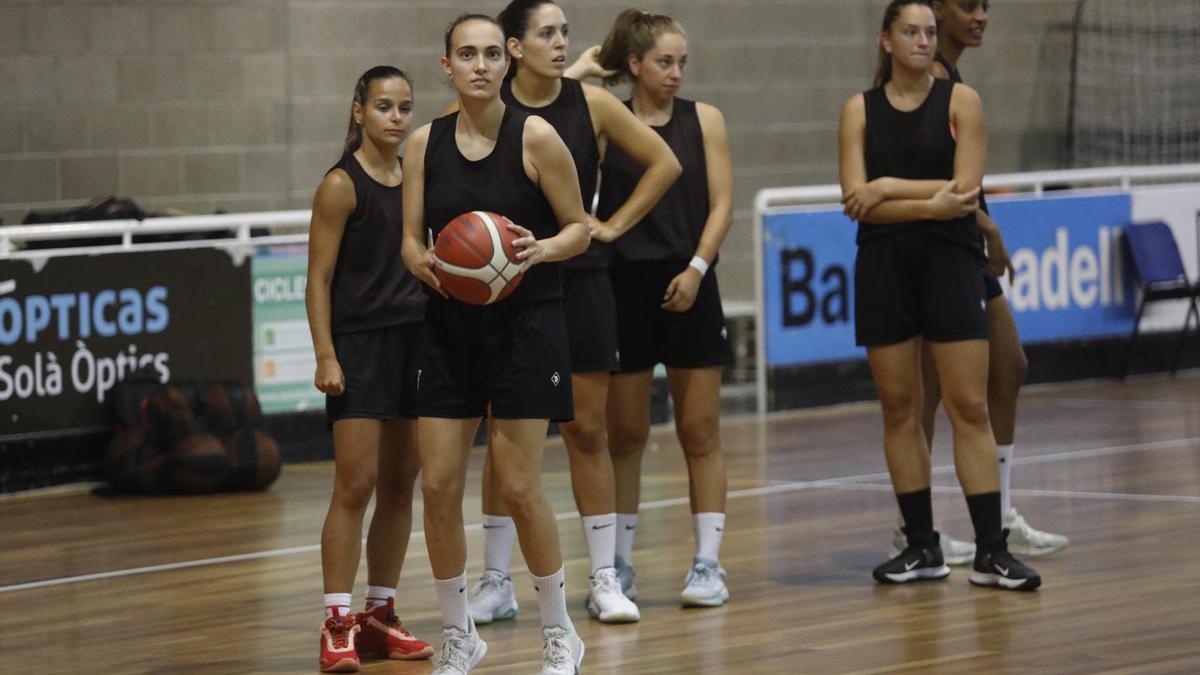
(1069,280)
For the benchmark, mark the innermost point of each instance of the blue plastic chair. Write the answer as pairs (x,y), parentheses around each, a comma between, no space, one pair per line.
(1161,276)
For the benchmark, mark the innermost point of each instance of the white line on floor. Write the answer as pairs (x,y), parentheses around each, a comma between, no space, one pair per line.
(859,482)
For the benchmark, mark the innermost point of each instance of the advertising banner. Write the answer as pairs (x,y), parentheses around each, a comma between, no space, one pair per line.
(808,274)
(1069,280)
(284,364)
(72,327)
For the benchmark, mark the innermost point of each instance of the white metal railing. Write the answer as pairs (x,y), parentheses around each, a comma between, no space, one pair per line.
(241,225)
(774,200)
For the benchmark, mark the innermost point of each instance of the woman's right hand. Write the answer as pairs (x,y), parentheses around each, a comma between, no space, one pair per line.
(947,204)
(588,65)
(861,200)
(421,265)
(329,378)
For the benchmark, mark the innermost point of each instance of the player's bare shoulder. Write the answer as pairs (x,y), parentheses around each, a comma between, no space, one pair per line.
(539,136)
(710,116)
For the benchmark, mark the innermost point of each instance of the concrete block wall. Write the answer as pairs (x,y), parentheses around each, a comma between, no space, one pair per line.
(241,105)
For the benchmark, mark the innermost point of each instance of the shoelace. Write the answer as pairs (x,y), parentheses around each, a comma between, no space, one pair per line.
(490,583)
(1035,537)
(339,632)
(704,574)
(607,582)
(454,651)
(555,651)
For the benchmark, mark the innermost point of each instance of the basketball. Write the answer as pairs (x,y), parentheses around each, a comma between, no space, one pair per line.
(228,406)
(255,457)
(199,464)
(167,414)
(135,466)
(475,259)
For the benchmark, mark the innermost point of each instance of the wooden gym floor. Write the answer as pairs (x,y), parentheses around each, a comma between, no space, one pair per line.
(232,583)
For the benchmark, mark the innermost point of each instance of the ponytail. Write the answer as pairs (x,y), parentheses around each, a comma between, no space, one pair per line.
(634,32)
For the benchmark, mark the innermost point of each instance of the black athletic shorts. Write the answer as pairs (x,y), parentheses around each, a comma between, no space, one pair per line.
(380,367)
(512,356)
(591,320)
(991,288)
(647,334)
(911,284)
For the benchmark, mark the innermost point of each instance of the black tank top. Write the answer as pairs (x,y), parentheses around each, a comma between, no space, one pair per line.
(498,183)
(671,231)
(371,289)
(571,118)
(917,145)
(955,77)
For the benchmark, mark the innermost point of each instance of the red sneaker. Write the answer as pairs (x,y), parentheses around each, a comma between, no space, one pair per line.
(384,637)
(338,654)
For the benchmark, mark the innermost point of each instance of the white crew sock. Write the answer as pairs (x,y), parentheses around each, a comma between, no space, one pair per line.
(626,529)
(552,600)
(601,534)
(499,535)
(452,594)
(378,596)
(337,603)
(709,529)
(1004,454)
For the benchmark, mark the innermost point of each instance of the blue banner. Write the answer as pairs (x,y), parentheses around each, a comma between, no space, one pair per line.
(808,274)
(1069,281)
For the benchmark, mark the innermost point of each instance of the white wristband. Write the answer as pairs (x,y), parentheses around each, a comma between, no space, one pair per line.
(700,265)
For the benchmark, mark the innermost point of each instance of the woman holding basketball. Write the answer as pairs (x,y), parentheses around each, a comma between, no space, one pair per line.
(586,117)
(668,303)
(513,355)
(961,24)
(366,314)
(911,161)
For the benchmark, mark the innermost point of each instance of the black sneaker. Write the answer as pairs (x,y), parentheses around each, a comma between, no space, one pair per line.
(919,561)
(995,566)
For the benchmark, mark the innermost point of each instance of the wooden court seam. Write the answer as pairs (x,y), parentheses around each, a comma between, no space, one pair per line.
(861,482)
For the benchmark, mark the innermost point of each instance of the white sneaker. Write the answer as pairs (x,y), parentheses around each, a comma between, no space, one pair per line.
(607,603)
(562,651)
(461,651)
(1024,540)
(705,585)
(492,598)
(626,574)
(954,551)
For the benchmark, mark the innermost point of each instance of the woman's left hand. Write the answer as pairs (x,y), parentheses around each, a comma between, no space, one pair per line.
(682,290)
(998,262)
(600,230)
(861,200)
(529,249)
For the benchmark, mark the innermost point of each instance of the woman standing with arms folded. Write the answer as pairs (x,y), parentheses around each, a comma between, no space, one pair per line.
(918,280)
(366,314)
(586,117)
(668,304)
(511,356)
(961,24)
